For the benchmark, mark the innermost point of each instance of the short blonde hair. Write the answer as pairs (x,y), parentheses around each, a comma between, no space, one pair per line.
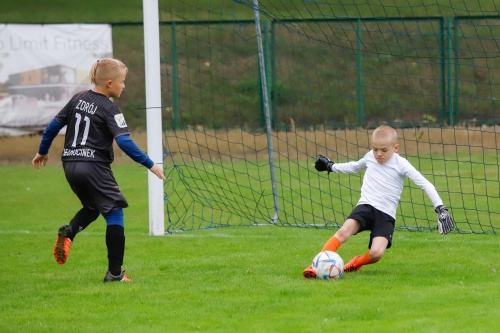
(107,69)
(385,133)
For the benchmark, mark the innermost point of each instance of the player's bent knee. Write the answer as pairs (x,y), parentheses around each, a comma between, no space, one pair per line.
(349,228)
(376,254)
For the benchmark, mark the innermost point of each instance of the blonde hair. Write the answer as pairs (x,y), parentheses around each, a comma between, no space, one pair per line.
(385,133)
(107,69)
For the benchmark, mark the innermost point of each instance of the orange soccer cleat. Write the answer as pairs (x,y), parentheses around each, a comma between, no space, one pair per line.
(62,245)
(310,272)
(350,266)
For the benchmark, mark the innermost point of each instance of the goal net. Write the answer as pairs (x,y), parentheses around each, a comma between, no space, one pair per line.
(254,90)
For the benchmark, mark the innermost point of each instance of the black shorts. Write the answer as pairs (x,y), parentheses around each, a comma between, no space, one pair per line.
(370,218)
(95,185)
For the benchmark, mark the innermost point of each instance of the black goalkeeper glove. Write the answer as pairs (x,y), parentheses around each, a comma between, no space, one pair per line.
(445,221)
(323,163)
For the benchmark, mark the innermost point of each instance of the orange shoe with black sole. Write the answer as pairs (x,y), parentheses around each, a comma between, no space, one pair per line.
(350,266)
(62,245)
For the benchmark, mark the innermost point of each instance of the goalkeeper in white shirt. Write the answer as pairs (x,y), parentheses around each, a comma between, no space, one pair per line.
(380,194)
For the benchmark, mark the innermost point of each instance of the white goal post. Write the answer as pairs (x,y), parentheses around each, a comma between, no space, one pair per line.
(153,114)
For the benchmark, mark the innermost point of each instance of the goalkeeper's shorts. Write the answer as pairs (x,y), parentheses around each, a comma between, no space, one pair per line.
(370,218)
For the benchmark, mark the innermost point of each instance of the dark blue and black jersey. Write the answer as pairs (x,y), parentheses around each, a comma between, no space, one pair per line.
(93,121)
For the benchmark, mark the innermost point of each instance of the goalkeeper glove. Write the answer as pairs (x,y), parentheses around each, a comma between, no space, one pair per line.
(445,221)
(323,163)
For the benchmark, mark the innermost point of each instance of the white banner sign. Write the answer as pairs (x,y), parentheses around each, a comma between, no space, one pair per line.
(42,67)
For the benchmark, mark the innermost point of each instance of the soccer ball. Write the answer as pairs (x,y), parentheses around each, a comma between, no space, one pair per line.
(328,265)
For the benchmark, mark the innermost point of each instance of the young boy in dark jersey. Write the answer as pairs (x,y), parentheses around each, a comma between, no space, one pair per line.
(385,171)
(93,121)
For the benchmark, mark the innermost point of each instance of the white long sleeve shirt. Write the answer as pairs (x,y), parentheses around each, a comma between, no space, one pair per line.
(383,183)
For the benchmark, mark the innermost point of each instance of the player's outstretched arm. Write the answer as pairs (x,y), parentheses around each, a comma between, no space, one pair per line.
(323,163)
(445,221)
(130,148)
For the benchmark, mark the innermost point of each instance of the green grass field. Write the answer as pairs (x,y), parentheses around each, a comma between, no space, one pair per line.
(245,279)
(238,279)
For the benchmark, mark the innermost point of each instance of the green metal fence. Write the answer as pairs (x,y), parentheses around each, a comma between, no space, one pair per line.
(434,44)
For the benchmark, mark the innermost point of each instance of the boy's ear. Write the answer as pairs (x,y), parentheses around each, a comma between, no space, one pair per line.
(396,147)
(108,83)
